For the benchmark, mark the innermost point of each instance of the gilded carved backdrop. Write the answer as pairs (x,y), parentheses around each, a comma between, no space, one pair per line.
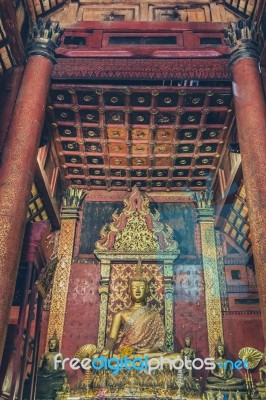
(181,217)
(136,234)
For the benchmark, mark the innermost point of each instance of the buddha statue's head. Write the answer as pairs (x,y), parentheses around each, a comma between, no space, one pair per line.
(53,343)
(220,348)
(187,341)
(138,286)
(138,291)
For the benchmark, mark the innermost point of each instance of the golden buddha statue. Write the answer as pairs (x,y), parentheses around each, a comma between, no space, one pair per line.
(188,352)
(222,375)
(143,330)
(137,332)
(66,386)
(262,373)
(260,387)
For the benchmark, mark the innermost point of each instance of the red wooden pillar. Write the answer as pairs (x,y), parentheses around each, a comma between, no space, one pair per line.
(251,127)
(19,159)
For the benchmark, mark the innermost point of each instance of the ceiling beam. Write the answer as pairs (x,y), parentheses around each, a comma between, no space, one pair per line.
(49,202)
(9,21)
(223,205)
(9,88)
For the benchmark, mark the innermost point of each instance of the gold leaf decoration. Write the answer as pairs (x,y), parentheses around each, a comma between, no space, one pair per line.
(251,355)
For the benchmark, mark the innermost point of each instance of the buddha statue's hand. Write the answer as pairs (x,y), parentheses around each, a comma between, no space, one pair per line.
(142,351)
(107,353)
(147,351)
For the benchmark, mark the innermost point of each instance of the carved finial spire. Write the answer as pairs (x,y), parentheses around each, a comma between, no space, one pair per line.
(44,39)
(219,341)
(240,31)
(139,274)
(71,202)
(54,337)
(73,197)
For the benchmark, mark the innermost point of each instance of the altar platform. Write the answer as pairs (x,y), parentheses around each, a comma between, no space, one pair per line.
(121,394)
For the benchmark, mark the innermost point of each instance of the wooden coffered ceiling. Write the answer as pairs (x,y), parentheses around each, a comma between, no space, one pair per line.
(158,138)
(156,10)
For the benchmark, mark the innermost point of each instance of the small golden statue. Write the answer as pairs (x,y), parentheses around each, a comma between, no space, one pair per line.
(260,387)
(220,396)
(188,352)
(222,376)
(66,386)
(238,395)
(49,379)
(262,372)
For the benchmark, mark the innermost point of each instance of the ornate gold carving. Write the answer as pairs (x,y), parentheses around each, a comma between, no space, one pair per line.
(71,201)
(136,236)
(103,291)
(136,229)
(251,355)
(211,278)
(169,317)
(169,301)
(61,279)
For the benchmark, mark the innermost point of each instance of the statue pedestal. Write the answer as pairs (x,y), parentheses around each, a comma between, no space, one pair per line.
(262,392)
(225,389)
(47,386)
(143,395)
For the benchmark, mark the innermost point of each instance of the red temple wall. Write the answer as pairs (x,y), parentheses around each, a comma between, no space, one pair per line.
(82,312)
(189,310)
(242,330)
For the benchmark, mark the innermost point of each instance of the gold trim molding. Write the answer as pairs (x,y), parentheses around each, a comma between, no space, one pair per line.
(61,280)
(69,214)
(104,296)
(211,278)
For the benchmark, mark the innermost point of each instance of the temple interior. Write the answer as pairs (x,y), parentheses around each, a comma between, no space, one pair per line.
(132,199)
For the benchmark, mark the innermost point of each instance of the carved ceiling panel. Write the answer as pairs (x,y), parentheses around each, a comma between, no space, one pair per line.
(164,138)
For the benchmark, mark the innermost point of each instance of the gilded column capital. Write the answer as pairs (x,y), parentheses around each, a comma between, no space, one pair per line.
(206,214)
(44,39)
(105,272)
(241,37)
(71,202)
(168,269)
(205,209)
